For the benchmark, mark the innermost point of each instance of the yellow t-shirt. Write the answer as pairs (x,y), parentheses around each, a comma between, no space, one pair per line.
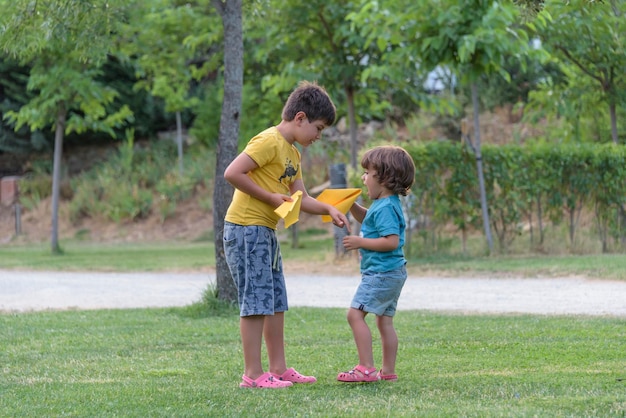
(278,167)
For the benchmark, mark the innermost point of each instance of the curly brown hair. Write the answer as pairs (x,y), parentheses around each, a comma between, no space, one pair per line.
(395,169)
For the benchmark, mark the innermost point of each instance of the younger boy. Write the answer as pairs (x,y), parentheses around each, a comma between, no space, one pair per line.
(389,172)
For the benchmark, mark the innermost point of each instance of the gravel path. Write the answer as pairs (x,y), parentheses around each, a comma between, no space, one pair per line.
(22,291)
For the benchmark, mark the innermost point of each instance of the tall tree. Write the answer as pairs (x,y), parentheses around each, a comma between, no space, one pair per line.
(232,18)
(65,42)
(471,37)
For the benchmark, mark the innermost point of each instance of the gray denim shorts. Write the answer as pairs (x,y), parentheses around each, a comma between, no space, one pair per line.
(378,293)
(254,260)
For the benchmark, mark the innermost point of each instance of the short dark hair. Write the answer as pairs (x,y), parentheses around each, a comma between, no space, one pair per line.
(394,167)
(312,99)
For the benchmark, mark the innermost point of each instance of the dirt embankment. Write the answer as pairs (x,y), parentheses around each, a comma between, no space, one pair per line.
(190,222)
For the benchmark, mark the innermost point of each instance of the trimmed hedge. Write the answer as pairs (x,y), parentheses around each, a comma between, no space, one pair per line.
(525,185)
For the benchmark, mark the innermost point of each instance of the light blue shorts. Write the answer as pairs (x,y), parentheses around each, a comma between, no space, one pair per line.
(378,293)
(254,260)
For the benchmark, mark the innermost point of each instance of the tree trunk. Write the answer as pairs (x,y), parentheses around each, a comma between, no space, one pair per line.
(540,219)
(531,230)
(231,12)
(56,176)
(354,145)
(179,142)
(572,226)
(479,168)
(613,114)
(622,224)
(338,180)
(464,239)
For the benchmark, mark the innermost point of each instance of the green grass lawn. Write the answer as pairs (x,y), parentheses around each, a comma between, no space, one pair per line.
(186,362)
(190,256)
(596,266)
(84,256)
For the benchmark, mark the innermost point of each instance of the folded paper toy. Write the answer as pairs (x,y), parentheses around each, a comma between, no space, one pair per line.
(342,199)
(290,211)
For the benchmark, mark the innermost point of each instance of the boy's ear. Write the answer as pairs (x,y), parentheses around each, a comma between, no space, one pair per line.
(300,116)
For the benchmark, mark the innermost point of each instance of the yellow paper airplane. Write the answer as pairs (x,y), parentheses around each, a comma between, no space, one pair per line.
(290,211)
(342,199)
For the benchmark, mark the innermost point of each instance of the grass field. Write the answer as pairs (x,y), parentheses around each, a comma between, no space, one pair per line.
(187,362)
(190,256)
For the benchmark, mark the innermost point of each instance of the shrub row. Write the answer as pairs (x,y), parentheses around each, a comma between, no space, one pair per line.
(525,185)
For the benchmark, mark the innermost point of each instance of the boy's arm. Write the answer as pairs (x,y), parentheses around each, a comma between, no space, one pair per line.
(315,207)
(382,244)
(237,175)
(358,212)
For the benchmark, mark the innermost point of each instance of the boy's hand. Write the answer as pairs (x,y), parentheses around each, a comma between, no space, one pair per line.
(278,199)
(351,242)
(339,219)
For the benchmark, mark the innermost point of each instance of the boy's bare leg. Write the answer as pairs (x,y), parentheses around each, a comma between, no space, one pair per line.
(251,328)
(362,337)
(389,340)
(274,333)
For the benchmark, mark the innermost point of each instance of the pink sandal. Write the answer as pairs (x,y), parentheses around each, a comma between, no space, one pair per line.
(359,374)
(265,381)
(388,377)
(291,375)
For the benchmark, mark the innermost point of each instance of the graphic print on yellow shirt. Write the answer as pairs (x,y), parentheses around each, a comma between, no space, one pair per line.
(290,171)
(278,167)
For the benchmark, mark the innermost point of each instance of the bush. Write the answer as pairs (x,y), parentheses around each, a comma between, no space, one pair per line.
(126,202)
(33,189)
(126,187)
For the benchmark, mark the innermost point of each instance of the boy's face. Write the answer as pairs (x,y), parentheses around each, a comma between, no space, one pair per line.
(374,189)
(309,131)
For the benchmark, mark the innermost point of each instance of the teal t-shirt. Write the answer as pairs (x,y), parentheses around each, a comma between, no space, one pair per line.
(383,218)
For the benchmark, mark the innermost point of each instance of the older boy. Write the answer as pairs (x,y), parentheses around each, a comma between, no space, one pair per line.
(265,175)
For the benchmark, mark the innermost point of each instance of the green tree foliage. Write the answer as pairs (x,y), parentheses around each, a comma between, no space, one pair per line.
(149,114)
(523,79)
(321,45)
(14,95)
(158,50)
(278,53)
(75,60)
(65,43)
(589,37)
(473,38)
(169,50)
